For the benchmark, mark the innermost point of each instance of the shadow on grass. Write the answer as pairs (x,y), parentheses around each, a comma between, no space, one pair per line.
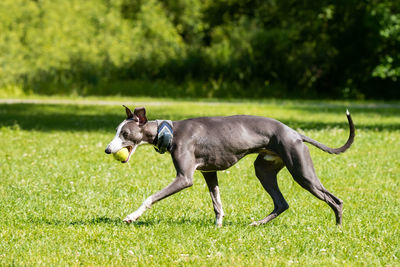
(49,117)
(206,222)
(59,117)
(94,221)
(357,109)
(98,220)
(103,220)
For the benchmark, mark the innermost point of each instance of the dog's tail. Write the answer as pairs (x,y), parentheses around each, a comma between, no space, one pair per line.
(339,150)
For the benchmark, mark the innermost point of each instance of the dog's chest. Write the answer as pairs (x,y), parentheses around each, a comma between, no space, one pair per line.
(216,160)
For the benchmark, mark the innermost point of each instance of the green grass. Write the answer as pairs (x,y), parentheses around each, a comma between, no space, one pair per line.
(63,199)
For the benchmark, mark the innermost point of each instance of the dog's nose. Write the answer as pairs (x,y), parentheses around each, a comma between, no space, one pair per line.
(108,150)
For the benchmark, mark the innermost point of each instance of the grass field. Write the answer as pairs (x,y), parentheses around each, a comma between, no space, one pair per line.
(62,198)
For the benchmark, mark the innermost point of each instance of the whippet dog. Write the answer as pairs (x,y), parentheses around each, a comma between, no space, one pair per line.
(211,144)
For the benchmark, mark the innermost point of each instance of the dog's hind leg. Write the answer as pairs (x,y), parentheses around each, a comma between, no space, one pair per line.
(212,183)
(299,163)
(267,168)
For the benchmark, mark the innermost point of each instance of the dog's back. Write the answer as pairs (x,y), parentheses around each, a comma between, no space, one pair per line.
(219,142)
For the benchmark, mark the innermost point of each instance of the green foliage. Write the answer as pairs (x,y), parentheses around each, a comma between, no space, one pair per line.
(223,48)
(80,42)
(389,14)
(63,199)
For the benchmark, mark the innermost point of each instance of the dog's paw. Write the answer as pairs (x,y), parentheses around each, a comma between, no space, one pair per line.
(130,219)
(255,223)
(218,221)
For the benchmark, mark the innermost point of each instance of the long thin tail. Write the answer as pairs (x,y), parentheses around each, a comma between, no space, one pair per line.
(335,150)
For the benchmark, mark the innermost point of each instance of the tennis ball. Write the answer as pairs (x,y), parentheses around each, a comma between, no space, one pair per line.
(122,154)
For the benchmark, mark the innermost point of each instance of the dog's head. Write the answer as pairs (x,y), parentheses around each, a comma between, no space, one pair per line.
(129,132)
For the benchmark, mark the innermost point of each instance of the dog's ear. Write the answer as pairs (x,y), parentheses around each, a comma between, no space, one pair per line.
(140,115)
(129,114)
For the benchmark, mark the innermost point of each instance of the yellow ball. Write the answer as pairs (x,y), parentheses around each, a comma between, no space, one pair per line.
(122,154)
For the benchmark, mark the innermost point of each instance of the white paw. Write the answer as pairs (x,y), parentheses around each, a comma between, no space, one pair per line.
(135,215)
(218,222)
(131,218)
(255,223)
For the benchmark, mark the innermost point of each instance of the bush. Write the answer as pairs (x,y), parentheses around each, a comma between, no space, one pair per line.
(226,48)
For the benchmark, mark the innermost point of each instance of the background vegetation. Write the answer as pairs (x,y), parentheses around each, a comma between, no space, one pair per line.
(203,48)
(63,199)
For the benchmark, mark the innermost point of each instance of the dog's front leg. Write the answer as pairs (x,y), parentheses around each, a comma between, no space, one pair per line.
(184,163)
(212,183)
(180,182)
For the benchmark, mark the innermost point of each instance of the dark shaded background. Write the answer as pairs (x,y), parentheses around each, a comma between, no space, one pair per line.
(194,48)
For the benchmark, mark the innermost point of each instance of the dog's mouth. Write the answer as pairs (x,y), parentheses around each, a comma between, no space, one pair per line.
(131,149)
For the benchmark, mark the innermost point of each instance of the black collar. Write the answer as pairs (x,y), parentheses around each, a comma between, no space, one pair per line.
(165,133)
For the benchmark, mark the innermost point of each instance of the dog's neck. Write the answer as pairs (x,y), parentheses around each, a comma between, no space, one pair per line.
(150,132)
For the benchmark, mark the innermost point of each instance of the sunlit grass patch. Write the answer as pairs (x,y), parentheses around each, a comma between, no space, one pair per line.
(63,199)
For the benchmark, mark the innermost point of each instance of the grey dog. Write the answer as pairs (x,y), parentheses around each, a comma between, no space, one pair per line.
(211,144)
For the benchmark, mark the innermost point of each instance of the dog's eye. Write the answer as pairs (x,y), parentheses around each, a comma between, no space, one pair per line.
(125,134)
